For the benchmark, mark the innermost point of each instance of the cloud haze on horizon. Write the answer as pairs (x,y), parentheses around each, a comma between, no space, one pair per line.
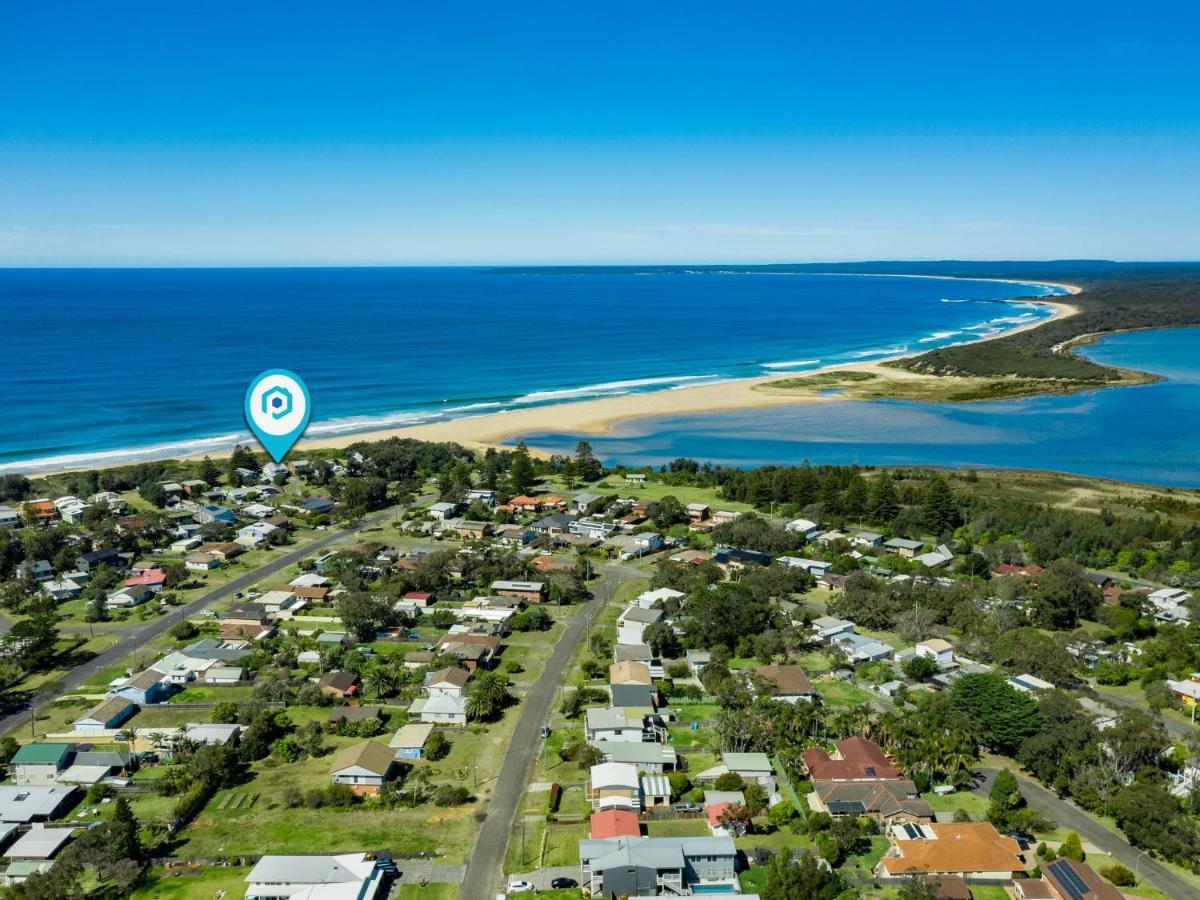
(145,134)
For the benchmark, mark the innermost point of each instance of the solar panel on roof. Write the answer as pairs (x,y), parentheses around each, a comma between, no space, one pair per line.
(912,831)
(1069,879)
(845,806)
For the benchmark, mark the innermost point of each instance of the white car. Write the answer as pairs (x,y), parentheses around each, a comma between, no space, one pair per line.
(520,887)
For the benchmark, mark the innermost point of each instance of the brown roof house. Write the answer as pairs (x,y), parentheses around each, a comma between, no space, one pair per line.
(365,767)
(790,682)
(339,684)
(970,849)
(629,672)
(882,801)
(856,759)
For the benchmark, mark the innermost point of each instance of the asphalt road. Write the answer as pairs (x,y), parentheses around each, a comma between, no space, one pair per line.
(130,641)
(1174,728)
(485,866)
(1068,815)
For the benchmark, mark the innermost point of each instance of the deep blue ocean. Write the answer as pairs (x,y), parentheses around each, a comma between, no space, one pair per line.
(105,365)
(1148,433)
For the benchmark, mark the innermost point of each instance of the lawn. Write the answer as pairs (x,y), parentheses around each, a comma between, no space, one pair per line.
(193,883)
(678,828)
(866,861)
(973,803)
(428,892)
(841,693)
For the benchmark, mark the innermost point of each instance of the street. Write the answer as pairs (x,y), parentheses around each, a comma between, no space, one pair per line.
(486,864)
(1068,815)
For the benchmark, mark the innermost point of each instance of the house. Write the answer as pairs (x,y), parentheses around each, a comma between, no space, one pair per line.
(89,563)
(339,684)
(903,547)
(61,590)
(1186,692)
(473,651)
(614,823)
(486,496)
(635,477)
(224,551)
(416,659)
(732,559)
(814,567)
(597,529)
(790,684)
(697,660)
(807,528)
(38,570)
(226,676)
(310,594)
(365,767)
(473,531)
(634,621)
(970,849)
(202,562)
(936,558)
(637,696)
(23,804)
(153,579)
(529,591)
(648,757)
(826,628)
(698,512)
(350,876)
(409,740)
(105,716)
(615,724)
(93,766)
(754,767)
(258,510)
(145,687)
(212,512)
(658,597)
(440,710)
(582,501)
(39,513)
(9,517)
(250,536)
(1029,683)
(318,506)
(277,600)
(39,763)
(164,741)
(1067,879)
(448,682)
(655,789)
(128,597)
(854,759)
(866,539)
(940,651)
(39,844)
(629,672)
(882,801)
(650,867)
(340,714)
(443,511)
(614,785)
(859,648)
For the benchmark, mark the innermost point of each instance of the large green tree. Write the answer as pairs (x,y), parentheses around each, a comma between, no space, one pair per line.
(1001,717)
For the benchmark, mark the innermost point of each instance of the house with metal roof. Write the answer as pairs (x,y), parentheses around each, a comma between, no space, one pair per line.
(648,867)
(365,767)
(351,875)
(647,756)
(39,763)
(107,715)
(23,804)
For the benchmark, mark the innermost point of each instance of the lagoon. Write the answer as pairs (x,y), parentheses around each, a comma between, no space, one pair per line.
(1146,433)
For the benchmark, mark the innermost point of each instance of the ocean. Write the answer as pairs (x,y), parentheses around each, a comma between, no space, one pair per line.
(1146,433)
(107,365)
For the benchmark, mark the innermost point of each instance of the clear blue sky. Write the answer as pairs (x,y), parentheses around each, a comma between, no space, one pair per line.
(311,133)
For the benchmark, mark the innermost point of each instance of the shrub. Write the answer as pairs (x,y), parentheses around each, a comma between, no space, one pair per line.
(451,795)
(555,796)
(1118,875)
(730,781)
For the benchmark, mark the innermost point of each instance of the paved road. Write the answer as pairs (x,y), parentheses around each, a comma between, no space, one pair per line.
(130,641)
(485,867)
(1174,727)
(1068,815)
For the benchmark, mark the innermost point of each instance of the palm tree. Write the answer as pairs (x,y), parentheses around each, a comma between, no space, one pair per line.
(381,681)
(488,696)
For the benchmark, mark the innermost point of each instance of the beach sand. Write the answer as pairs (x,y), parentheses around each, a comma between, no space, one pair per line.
(598,415)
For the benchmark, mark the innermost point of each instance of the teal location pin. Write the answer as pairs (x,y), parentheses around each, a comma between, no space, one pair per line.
(277,410)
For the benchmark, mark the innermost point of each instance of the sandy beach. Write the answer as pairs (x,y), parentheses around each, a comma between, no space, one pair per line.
(597,416)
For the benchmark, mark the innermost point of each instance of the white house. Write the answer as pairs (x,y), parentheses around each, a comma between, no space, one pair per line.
(439,710)
(349,875)
(940,651)
(816,567)
(806,527)
(9,517)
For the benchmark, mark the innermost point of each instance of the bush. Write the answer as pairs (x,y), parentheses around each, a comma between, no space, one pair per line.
(184,631)
(451,795)
(730,781)
(225,712)
(1118,875)
(513,667)
(555,796)
(437,746)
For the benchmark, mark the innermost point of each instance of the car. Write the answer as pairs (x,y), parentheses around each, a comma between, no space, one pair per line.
(559,884)
(238,596)
(687,807)
(545,732)
(521,886)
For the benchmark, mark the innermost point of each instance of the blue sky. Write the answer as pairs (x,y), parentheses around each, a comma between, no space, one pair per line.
(317,133)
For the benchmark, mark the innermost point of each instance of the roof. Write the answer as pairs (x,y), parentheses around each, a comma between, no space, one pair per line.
(859,759)
(106,711)
(747,762)
(629,671)
(714,811)
(349,867)
(656,786)
(788,680)
(888,798)
(40,754)
(454,675)
(956,848)
(641,615)
(654,853)
(613,775)
(25,803)
(937,645)
(339,681)
(369,755)
(615,823)
(39,843)
(636,752)
(1076,881)
(414,734)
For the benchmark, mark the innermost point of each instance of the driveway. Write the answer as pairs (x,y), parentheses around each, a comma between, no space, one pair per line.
(1068,815)
(485,867)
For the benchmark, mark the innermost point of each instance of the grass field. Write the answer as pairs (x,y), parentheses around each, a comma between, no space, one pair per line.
(193,883)
(973,803)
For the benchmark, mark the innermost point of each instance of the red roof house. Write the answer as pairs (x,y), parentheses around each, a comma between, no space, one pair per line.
(615,823)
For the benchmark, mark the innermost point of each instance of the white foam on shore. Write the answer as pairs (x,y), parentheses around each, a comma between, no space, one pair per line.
(793,364)
(609,388)
(880,351)
(936,336)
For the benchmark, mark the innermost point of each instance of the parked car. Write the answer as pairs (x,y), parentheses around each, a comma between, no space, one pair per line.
(559,884)
(686,807)
(520,886)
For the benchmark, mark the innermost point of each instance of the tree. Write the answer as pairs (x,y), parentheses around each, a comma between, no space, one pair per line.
(918,667)
(883,504)
(1072,847)
(488,695)
(587,467)
(364,614)
(939,511)
(802,878)
(725,613)
(210,472)
(1005,799)
(520,470)
(662,640)
(1000,716)
(669,511)
(1065,595)
(918,889)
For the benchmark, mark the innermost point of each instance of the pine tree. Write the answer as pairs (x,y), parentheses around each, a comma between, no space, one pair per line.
(587,467)
(854,498)
(939,510)
(210,472)
(520,470)
(1072,847)
(884,505)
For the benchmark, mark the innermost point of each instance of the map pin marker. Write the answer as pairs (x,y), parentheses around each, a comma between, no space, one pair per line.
(277,410)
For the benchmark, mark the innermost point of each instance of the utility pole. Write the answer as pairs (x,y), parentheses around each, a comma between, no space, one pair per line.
(522,839)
